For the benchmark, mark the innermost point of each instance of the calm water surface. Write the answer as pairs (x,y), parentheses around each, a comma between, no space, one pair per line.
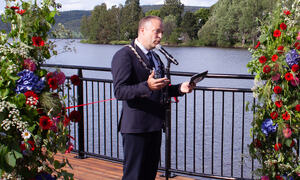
(191,59)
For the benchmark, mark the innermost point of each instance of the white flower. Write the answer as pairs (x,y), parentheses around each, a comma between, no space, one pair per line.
(26,134)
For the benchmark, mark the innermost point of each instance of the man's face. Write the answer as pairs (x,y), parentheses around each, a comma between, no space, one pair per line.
(152,33)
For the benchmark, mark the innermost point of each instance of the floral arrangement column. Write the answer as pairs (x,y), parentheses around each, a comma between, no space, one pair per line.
(276,121)
(33,120)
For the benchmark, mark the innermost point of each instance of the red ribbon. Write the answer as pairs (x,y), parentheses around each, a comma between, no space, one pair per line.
(90,103)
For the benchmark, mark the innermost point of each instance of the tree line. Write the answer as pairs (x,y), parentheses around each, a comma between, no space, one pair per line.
(228,23)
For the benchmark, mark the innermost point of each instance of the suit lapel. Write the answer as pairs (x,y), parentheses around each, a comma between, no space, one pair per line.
(141,54)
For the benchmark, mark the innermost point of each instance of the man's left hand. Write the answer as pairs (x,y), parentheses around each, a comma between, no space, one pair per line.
(186,87)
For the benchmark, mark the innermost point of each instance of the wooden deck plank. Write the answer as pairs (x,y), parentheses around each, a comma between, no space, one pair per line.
(96,169)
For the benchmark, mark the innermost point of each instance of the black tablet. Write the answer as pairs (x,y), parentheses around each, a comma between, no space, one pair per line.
(198,77)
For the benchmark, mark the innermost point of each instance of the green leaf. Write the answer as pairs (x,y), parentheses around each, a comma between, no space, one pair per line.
(56,164)
(2,117)
(288,142)
(17,154)
(4,92)
(10,159)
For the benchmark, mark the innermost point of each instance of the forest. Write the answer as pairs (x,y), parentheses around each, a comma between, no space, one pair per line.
(228,23)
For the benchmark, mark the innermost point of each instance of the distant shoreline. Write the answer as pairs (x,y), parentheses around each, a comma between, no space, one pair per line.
(123,42)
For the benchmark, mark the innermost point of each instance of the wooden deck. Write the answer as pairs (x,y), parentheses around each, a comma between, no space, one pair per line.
(95,169)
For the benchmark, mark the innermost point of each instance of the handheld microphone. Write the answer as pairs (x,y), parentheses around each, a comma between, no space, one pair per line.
(164,52)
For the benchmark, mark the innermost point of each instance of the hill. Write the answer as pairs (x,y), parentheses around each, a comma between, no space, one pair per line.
(72,19)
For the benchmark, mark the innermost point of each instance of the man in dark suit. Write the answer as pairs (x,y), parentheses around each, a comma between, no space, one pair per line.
(138,78)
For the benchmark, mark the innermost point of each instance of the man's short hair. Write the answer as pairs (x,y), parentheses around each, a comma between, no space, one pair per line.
(144,20)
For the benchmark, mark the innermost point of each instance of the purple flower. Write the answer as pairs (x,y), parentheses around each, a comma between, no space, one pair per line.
(292,58)
(267,127)
(29,81)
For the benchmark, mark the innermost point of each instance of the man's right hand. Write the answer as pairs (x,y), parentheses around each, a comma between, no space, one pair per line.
(157,84)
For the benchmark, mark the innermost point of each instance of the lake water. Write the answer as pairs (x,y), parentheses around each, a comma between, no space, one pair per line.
(191,59)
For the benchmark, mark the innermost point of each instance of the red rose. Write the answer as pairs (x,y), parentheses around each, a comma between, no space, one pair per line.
(274,115)
(262,59)
(286,116)
(257,143)
(278,177)
(292,144)
(280,49)
(257,45)
(278,103)
(66,121)
(45,122)
(38,41)
(283,26)
(75,116)
(277,146)
(266,69)
(277,89)
(295,67)
(288,76)
(32,146)
(277,33)
(287,12)
(21,11)
(22,146)
(297,45)
(75,80)
(297,107)
(14,8)
(52,82)
(274,57)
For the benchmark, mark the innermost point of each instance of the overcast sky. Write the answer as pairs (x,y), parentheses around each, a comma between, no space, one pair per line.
(90,4)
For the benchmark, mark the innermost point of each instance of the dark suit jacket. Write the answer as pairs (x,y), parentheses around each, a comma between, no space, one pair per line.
(142,109)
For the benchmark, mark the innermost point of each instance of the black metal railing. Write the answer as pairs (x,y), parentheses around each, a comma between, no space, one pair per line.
(210,129)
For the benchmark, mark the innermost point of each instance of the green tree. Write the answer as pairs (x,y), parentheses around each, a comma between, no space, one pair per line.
(154,12)
(173,7)
(130,16)
(97,21)
(189,25)
(234,22)
(84,27)
(169,26)
(202,16)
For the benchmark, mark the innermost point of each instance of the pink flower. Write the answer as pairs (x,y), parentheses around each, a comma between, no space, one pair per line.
(298,37)
(265,178)
(287,132)
(29,64)
(295,81)
(276,77)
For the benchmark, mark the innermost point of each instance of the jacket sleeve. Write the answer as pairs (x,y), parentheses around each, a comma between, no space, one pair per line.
(122,71)
(174,90)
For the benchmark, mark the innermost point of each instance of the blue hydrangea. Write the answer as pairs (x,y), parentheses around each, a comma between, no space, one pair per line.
(29,82)
(292,58)
(267,127)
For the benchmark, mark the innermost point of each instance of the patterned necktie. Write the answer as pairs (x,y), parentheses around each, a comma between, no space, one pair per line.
(150,59)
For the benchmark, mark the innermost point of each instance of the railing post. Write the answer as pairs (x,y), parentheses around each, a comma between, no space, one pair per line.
(81,154)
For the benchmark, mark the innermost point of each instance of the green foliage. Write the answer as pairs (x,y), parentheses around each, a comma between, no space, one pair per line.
(169,26)
(173,7)
(277,151)
(153,13)
(189,25)
(234,21)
